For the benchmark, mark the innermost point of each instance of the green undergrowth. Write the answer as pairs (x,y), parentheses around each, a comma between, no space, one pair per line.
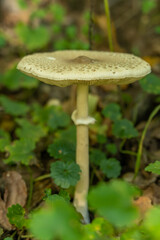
(110,198)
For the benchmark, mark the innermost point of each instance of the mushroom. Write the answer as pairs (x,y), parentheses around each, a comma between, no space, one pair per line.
(83,68)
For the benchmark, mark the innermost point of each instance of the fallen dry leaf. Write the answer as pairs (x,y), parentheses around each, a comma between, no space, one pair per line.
(15,191)
(4,222)
(153,192)
(144,204)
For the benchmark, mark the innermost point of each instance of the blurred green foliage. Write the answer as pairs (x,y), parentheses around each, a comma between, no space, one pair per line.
(148,5)
(151,84)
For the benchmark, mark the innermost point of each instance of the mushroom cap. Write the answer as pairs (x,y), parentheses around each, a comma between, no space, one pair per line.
(67,67)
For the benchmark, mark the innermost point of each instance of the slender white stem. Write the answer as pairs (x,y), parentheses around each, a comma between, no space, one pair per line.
(82,156)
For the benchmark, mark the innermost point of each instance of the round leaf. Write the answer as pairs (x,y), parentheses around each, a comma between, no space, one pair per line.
(111,168)
(124,129)
(65,174)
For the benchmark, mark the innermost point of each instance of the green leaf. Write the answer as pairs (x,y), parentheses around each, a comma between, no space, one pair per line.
(133,234)
(33,38)
(63,193)
(8,238)
(52,198)
(68,134)
(22,4)
(53,116)
(41,114)
(124,129)
(14,79)
(98,127)
(148,5)
(111,148)
(4,140)
(2,40)
(57,11)
(62,149)
(154,167)
(97,156)
(98,229)
(20,152)
(71,32)
(14,108)
(151,84)
(61,44)
(157,29)
(151,223)
(65,174)
(58,119)
(57,221)
(112,111)
(15,215)
(39,14)
(101,139)
(29,132)
(114,202)
(111,167)
(49,197)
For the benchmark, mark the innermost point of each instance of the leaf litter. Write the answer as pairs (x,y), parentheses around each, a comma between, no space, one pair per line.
(15,192)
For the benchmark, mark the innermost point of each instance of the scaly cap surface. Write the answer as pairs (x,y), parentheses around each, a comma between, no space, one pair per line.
(67,67)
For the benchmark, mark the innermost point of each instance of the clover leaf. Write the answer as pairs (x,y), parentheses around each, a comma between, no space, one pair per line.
(111,168)
(97,156)
(65,174)
(15,215)
(112,111)
(124,129)
(20,152)
(154,167)
(15,108)
(62,149)
(4,140)
(113,201)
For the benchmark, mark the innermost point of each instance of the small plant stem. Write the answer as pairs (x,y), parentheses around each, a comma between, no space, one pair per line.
(27,236)
(12,236)
(82,155)
(109,28)
(139,154)
(42,177)
(126,151)
(96,172)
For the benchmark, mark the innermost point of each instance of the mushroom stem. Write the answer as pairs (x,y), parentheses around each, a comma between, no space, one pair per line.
(82,156)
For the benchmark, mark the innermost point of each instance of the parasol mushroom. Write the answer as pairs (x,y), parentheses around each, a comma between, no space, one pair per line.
(83,68)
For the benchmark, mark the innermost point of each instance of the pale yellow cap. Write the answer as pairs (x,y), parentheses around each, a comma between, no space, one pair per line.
(67,67)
